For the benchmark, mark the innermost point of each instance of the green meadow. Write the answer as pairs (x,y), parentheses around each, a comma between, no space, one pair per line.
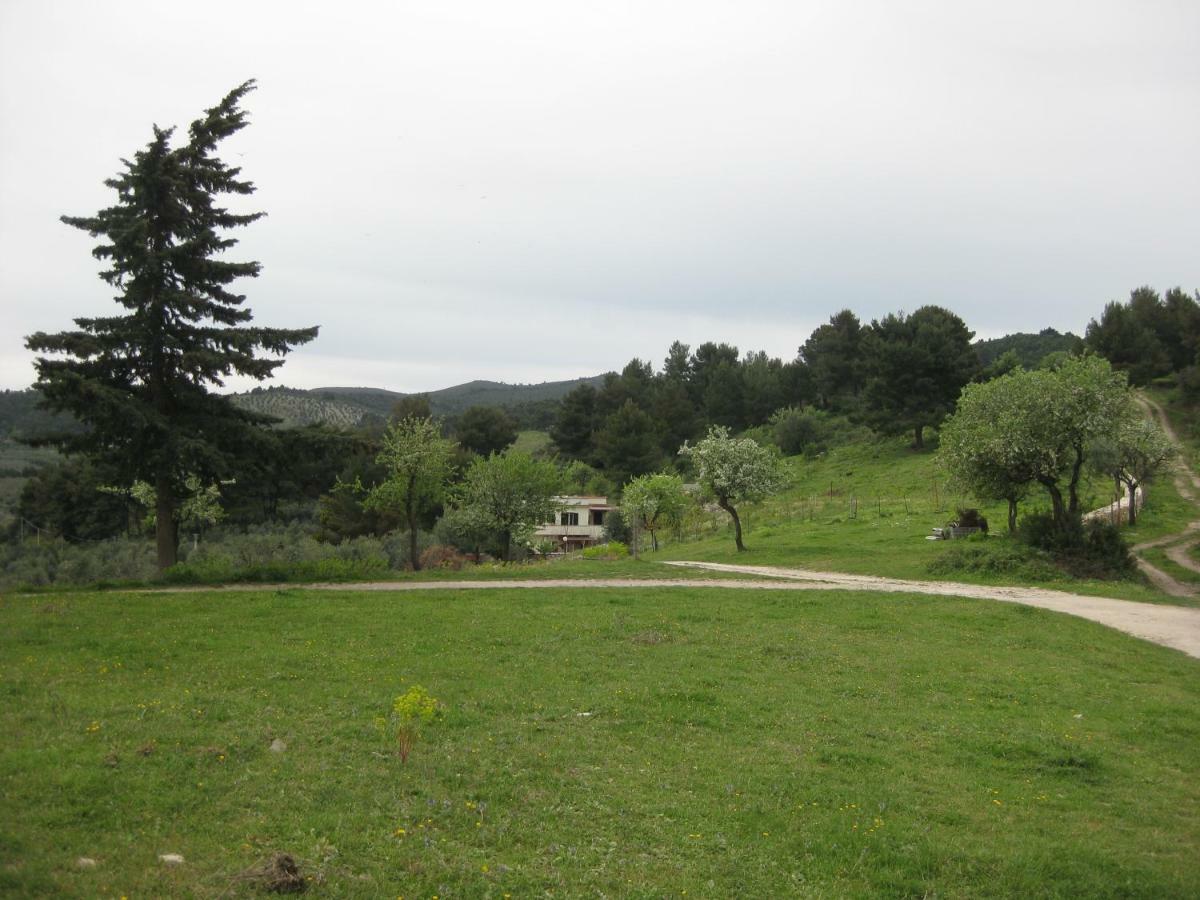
(604,742)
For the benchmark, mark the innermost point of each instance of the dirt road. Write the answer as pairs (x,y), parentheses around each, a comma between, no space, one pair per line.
(1178,545)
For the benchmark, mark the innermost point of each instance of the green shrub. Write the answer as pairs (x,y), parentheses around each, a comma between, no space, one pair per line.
(1002,558)
(1095,550)
(812,431)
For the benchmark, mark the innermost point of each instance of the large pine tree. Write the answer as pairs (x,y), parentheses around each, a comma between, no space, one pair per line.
(139,381)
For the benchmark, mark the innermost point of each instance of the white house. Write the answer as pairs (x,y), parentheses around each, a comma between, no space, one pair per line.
(579,523)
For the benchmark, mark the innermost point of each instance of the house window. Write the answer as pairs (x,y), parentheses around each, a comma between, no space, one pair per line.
(570,518)
(597,517)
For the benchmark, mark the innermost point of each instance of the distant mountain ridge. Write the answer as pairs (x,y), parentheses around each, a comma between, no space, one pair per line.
(349,406)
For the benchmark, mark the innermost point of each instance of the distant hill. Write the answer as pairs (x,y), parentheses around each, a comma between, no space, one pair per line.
(1030,348)
(347,406)
(295,407)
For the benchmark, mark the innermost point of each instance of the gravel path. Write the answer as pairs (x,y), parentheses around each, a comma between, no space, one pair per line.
(1188,485)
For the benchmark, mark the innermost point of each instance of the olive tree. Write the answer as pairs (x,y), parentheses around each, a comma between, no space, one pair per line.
(735,470)
(1035,427)
(977,448)
(1139,451)
(655,501)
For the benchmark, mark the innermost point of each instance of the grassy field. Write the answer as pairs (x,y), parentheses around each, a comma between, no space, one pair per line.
(649,743)
(531,442)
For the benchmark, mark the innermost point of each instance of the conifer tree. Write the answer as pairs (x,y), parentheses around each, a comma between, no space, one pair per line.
(139,381)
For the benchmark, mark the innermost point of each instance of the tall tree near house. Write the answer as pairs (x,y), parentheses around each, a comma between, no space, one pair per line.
(485,430)
(627,445)
(418,463)
(915,367)
(734,471)
(574,430)
(139,381)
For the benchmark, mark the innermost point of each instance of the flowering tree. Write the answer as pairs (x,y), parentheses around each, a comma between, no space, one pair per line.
(655,501)
(735,470)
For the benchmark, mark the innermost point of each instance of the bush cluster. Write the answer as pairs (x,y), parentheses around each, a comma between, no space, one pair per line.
(999,558)
(1094,550)
(262,554)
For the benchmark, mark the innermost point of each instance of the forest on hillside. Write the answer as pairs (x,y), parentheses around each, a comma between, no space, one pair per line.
(898,374)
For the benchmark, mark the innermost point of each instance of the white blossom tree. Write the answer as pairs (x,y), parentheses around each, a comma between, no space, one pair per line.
(735,470)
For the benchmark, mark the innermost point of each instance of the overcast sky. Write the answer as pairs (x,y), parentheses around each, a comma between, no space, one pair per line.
(529,191)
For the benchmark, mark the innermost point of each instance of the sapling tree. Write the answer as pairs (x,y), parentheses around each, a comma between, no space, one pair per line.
(735,471)
(410,711)
(418,462)
(655,501)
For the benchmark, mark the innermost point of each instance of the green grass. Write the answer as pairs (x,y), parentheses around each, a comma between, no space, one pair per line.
(531,441)
(624,743)
(816,525)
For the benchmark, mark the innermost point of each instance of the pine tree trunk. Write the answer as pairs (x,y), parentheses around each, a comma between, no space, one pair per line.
(653,540)
(1012,516)
(919,437)
(737,523)
(166,529)
(507,541)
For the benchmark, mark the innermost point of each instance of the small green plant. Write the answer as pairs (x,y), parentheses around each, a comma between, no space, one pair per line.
(411,710)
